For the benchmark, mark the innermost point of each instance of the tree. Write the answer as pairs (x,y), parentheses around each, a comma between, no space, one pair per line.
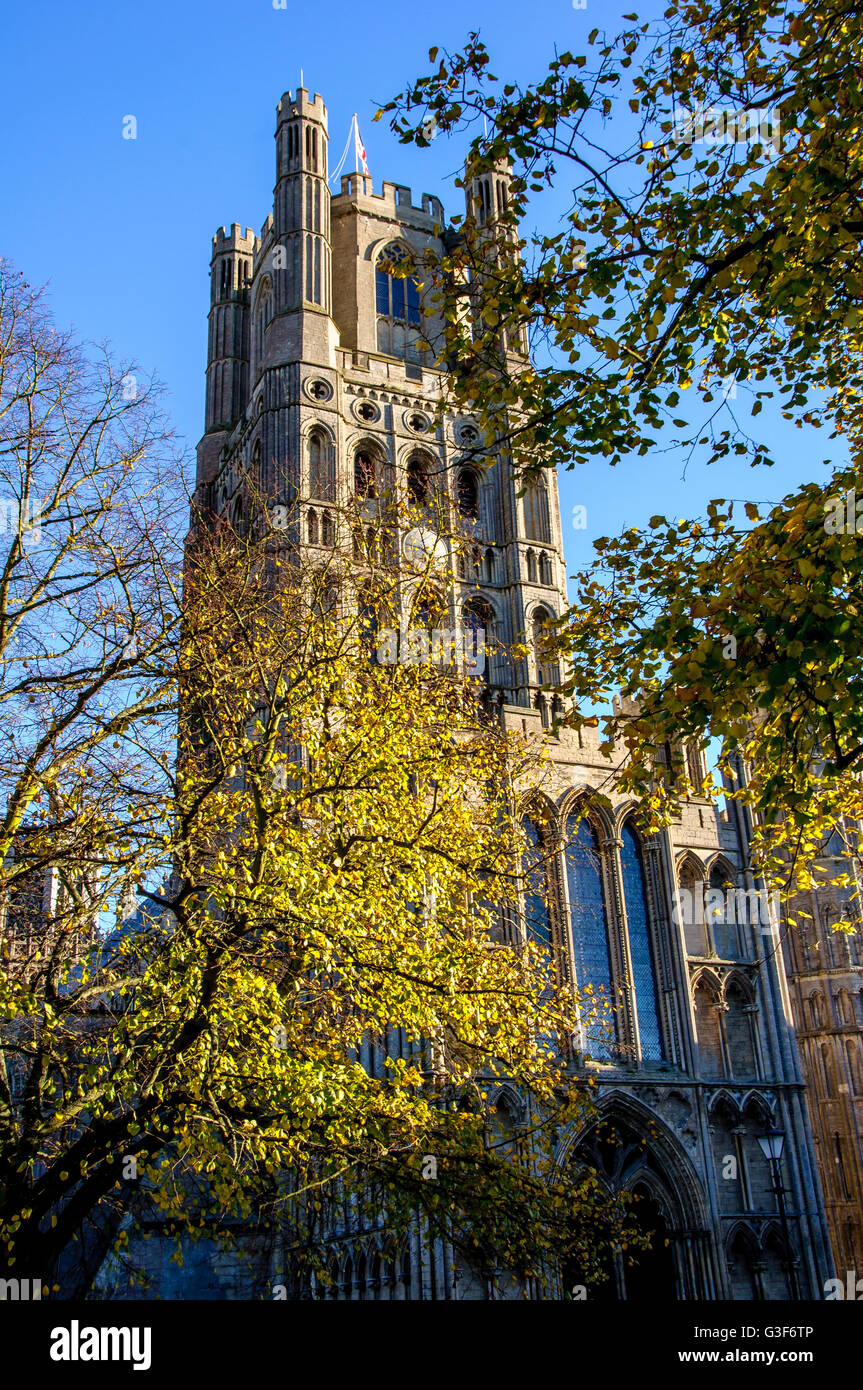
(338,843)
(714,243)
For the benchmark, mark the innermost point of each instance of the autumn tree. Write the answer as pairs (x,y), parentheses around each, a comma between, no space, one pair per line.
(333,975)
(709,265)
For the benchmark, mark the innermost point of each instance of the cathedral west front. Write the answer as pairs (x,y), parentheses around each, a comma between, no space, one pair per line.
(319,387)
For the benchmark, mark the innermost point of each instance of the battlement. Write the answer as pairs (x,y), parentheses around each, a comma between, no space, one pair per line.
(291,106)
(395,198)
(234,240)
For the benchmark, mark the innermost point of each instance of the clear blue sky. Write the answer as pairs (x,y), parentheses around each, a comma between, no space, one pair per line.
(121,229)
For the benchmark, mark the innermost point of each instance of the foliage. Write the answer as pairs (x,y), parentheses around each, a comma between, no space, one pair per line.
(332,980)
(688,260)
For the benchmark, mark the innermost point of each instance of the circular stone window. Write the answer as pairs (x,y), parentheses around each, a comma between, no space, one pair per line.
(467,434)
(367,412)
(319,390)
(417,422)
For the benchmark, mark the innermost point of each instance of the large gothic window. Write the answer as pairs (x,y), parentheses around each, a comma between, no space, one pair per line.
(644,974)
(397,301)
(588,926)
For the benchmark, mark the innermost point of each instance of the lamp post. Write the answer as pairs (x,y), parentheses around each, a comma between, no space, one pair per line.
(771,1143)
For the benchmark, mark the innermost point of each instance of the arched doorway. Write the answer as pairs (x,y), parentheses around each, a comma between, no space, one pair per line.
(674,1263)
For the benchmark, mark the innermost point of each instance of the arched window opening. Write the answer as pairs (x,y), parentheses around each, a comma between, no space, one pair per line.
(312,525)
(855,1067)
(547,669)
(723,906)
(692,912)
(537,525)
(537,912)
(478,629)
(589,932)
(364,475)
(322,476)
(418,483)
(742,1259)
(264,314)
(694,765)
(544,569)
(826,1069)
(708,1033)
(489,565)
(644,972)
(461,567)
(397,301)
(327,529)
(467,494)
(816,1011)
(531,567)
(739,1037)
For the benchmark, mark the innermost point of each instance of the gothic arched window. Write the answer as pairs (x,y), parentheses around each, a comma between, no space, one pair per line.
(547,671)
(364,475)
(644,972)
(722,914)
(264,314)
(478,628)
(467,494)
(738,1033)
(537,524)
(588,926)
(418,483)
(537,914)
(322,476)
(397,301)
(544,568)
(692,911)
(531,567)
(312,527)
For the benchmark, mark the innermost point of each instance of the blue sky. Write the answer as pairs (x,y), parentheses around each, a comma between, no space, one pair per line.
(121,229)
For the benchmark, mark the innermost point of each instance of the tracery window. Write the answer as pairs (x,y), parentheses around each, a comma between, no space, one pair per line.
(644,971)
(589,928)
(397,300)
(537,914)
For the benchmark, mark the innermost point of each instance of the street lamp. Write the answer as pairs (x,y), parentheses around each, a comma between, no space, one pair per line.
(772,1141)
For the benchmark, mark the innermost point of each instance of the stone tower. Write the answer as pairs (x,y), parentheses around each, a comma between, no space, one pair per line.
(317,384)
